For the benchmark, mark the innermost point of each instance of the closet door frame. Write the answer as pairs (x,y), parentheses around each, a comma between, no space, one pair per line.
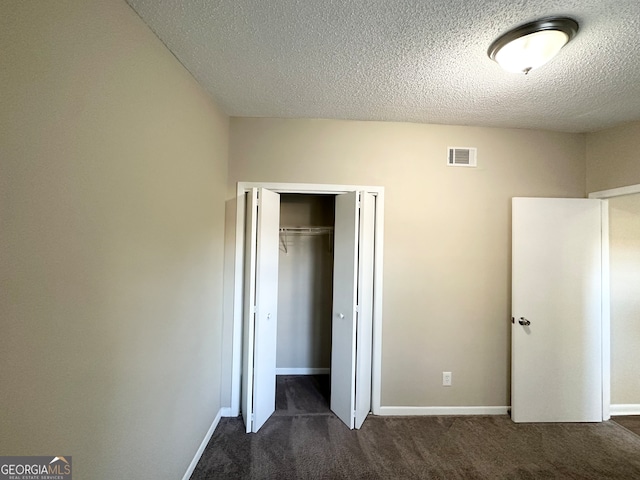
(238,279)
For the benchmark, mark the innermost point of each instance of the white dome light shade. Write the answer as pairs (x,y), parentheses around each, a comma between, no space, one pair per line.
(532,45)
(531,51)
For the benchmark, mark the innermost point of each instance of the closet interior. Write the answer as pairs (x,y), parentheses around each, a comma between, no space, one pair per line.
(305,297)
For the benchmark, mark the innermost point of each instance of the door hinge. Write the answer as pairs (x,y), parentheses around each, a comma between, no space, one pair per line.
(357,308)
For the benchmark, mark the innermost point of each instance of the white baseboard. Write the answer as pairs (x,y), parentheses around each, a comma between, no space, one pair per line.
(406,411)
(227,412)
(203,445)
(302,371)
(625,409)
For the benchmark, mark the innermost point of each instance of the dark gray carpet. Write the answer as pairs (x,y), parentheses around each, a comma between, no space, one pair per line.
(630,422)
(317,445)
(302,394)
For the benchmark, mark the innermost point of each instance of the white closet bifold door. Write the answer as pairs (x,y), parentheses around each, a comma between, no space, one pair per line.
(260,308)
(352,307)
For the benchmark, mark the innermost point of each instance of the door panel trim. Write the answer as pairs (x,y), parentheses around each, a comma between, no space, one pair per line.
(606,314)
(364,340)
(249,281)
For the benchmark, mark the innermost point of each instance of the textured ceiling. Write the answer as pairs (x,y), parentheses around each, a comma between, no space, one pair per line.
(404,60)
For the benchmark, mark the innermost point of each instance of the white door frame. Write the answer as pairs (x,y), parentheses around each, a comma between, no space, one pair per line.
(305,188)
(606,292)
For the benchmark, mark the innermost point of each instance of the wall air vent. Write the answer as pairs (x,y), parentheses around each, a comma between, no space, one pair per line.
(462,157)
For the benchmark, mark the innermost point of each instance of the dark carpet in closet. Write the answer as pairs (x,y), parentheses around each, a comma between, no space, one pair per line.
(302,394)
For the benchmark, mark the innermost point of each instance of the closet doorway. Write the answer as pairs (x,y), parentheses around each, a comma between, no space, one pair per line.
(310,285)
(305,300)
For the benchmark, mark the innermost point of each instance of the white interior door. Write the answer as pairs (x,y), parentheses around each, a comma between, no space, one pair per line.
(260,308)
(351,335)
(557,309)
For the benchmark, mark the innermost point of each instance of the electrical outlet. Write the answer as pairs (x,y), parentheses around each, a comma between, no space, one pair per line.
(446,379)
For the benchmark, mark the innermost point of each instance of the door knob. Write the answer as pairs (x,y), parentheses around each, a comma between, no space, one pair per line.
(341,315)
(524,321)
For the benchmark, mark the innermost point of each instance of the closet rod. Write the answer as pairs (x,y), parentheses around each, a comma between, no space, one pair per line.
(306,230)
(293,231)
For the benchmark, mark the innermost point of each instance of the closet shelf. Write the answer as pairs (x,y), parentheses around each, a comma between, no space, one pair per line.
(306,230)
(287,232)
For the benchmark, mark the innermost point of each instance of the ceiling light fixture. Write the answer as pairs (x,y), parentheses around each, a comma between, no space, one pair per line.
(532,45)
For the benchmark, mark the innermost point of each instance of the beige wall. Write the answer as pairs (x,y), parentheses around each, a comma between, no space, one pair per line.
(624,231)
(447,234)
(112,178)
(613,157)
